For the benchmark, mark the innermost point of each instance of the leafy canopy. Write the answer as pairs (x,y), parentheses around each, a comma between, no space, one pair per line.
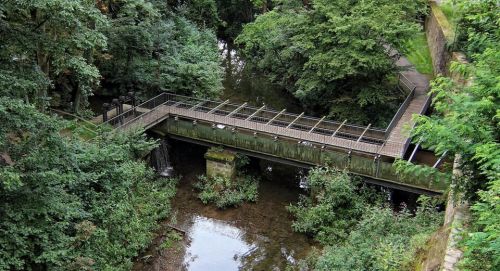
(69,204)
(331,54)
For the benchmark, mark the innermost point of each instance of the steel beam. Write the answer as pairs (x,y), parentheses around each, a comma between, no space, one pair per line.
(316,125)
(197,105)
(414,151)
(255,113)
(366,129)
(237,109)
(298,117)
(275,117)
(440,159)
(181,101)
(338,129)
(219,106)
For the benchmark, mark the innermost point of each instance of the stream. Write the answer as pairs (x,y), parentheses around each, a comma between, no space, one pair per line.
(255,236)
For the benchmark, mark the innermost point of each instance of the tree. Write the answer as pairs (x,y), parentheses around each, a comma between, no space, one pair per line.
(70,204)
(331,54)
(47,48)
(152,50)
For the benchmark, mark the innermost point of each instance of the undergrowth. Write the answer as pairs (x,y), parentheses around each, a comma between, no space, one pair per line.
(225,192)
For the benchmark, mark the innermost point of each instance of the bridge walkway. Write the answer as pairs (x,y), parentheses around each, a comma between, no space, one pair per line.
(392,141)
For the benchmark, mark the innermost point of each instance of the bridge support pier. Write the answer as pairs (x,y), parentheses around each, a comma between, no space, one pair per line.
(220,163)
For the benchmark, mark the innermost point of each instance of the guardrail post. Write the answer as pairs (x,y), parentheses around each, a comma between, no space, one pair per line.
(116,103)
(131,95)
(105,108)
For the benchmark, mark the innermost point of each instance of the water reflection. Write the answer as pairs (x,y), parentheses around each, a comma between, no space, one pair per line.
(215,245)
(242,84)
(256,236)
(253,237)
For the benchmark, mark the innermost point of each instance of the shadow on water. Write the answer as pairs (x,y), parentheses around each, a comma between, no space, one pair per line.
(255,236)
(242,84)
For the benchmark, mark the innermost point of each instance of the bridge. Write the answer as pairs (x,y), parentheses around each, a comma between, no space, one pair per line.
(304,140)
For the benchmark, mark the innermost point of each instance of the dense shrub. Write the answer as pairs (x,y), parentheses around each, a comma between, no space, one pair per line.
(333,207)
(69,204)
(382,240)
(225,192)
(359,232)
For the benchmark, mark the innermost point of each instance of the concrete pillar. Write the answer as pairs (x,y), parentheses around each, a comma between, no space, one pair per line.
(220,163)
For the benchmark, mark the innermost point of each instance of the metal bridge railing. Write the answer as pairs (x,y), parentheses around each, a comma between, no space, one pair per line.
(277,122)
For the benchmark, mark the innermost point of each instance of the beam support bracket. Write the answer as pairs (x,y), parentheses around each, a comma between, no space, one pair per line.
(338,128)
(219,106)
(298,117)
(237,109)
(275,117)
(316,125)
(255,113)
(366,129)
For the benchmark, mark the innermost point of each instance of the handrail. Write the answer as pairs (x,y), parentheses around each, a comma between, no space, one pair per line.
(399,113)
(225,109)
(131,109)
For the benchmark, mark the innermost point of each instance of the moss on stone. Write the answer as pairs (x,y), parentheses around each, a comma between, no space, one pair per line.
(443,22)
(220,155)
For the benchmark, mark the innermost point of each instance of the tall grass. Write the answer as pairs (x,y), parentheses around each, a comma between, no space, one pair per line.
(417,52)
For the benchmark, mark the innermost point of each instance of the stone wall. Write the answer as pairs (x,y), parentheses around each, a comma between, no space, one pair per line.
(220,163)
(440,36)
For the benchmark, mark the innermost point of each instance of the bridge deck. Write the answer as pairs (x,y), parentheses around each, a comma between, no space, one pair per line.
(391,142)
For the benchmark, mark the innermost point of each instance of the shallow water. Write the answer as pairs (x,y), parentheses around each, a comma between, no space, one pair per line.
(255,236)
(242,84)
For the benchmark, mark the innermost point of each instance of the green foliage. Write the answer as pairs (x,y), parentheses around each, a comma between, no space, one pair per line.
(478,26)
(331,54)
(202,12)
(358,231)
(417,52)
(334,207)
(225,192)
(47,44)
(69,204)
(241,162)
(152,50)
(60,51)
(170,240)
(405,168)
(382,240)
(466,119)
(467,122)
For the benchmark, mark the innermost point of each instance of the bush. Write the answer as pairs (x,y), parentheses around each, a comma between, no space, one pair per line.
(333,208)
(381,240)
(69,204)
(225,192)
(358,230)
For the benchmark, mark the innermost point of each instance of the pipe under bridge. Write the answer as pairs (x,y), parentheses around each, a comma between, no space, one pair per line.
(362,150)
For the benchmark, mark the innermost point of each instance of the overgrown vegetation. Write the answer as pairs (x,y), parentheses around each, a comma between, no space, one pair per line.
(466,123)
(227,192)
(60,51)
(332,55)
(69,204)
(417,52)
(359,232)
